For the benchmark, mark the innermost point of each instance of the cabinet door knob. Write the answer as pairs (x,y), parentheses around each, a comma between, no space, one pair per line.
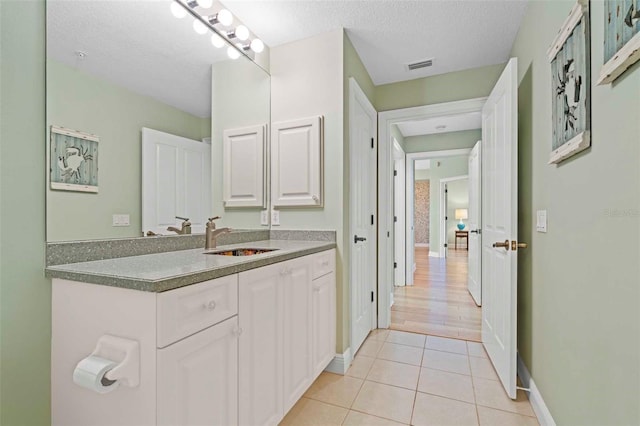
(210,306)
(325,263)
(238,331)
(315,198)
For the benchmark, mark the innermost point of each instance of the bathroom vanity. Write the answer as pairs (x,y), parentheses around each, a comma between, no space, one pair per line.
(223,340)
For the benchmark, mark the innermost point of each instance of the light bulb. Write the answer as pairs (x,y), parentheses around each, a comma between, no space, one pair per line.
(199,27)
(225,17)
(242,32)
(205,3)
(232,52)
(177,10)
(257,45)
(217,41)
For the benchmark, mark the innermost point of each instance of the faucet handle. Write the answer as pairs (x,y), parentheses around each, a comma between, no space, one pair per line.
(186,219)
(211,219)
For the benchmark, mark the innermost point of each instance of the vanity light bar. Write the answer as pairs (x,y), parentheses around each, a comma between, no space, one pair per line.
(225,18)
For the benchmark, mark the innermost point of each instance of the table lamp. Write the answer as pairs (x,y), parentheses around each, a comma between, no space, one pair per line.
(461,214)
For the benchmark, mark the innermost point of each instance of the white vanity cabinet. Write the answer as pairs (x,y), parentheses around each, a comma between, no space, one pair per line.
(287,324)
(241,349)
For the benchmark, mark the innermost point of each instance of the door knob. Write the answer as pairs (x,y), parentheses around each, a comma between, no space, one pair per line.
(504,245)
(356,239)
(516,245)
(476,231)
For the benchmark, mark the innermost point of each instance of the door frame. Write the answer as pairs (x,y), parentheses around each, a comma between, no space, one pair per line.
(356,94)
(385,188)
(401,277)
(442,252)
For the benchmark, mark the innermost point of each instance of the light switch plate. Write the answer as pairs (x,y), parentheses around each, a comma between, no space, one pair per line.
(541,221)
(264,217)
(120,220)
(275,217)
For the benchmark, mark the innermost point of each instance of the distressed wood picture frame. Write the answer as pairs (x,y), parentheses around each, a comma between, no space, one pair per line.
(621,38)
(570,58)
(73,160)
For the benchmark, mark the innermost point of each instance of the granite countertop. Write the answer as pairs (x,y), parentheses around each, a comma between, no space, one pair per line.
(170,270)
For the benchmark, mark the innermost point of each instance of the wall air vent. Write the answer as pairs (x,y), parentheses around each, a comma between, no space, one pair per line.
(420,64)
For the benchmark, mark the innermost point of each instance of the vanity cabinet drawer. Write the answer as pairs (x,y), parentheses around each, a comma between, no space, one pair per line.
(187,310)
(323,263)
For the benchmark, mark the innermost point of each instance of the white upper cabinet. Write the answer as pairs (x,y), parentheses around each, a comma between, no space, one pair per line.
(244,169)
(297,162)
(176,181)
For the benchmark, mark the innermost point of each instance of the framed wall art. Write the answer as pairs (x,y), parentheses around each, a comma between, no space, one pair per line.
(570,58)
(73,160)
(621,38)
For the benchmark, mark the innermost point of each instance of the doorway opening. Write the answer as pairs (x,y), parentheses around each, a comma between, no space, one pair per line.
(436,299)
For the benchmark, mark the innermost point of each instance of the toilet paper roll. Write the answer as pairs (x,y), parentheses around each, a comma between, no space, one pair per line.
(90,374)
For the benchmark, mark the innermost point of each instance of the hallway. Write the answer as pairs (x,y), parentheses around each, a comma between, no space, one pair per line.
(438,303)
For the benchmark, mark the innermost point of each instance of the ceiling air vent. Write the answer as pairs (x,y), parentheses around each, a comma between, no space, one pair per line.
(420,64)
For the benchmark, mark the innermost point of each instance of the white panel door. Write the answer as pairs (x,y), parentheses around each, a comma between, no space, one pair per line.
(324,321)
(297,162)
(475,224)
(260,313)
(298,334)
(362,203)
(198,378)
(176,181)
(244,168)
(499,225)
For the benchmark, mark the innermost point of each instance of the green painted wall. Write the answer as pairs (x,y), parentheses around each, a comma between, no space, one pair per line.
(473,83)
(395,133)
(25,295)
(578,316)
(83,102)
(444,141)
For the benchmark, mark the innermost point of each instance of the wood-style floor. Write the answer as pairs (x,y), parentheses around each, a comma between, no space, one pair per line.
(438,303)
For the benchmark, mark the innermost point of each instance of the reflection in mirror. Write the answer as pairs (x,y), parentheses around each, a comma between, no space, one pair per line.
(114,68)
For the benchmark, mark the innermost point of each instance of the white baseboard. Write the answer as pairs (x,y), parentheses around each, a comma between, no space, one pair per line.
(422,244)
(535,398)
(434,254)
(340,363)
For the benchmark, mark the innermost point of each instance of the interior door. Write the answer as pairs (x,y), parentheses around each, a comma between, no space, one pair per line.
(176,181)
(445,215)
(475,233)
(362,151)
(399,194)
(499,225)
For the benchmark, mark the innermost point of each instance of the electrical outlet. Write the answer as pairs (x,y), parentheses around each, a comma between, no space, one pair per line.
(264,217)
(120,220)
(275,217)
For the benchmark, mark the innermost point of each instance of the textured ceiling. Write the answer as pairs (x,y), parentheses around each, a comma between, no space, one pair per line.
(138,45)
(452,123)
(388,34)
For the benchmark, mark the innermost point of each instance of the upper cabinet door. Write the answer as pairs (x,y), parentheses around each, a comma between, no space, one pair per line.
(176,181)
(244,167)
(296,161)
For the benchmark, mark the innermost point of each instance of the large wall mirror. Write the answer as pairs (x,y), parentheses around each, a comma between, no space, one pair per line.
(115,68)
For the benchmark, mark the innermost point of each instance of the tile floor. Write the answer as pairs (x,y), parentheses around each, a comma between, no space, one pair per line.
(400,378)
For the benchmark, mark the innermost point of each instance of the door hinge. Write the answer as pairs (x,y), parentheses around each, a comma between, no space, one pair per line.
(372,143)
(371,219)
(446,191)
(445,245)
(395,173)
(446,218)
(395,219)
(395,265)
(372,296)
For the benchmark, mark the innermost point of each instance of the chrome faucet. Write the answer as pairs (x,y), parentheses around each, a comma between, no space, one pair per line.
(184,229)
(211,233)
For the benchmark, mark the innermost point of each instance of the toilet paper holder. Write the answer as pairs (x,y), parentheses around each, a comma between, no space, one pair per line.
(124,352)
